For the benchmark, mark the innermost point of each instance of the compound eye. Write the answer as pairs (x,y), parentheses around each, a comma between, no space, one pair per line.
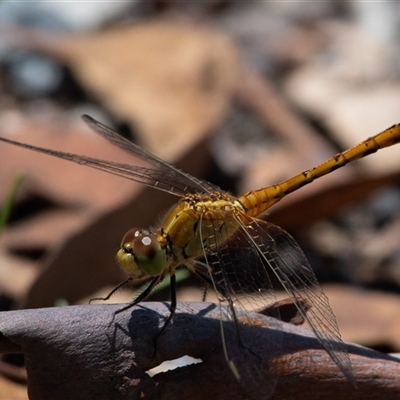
(131,235)
(140,249)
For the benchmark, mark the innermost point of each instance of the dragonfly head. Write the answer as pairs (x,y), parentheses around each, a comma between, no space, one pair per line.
(141,254)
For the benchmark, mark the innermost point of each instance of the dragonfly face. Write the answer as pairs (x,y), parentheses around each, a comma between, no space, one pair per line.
(141,254)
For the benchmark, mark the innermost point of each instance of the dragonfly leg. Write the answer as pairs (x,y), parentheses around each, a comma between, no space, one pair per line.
(172,311)
(111,293)
(205,291)
(138,299)
(204,272)
(141,297)
(173,304)
(200,272)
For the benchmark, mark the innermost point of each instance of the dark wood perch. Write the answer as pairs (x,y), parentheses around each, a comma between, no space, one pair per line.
(80,352)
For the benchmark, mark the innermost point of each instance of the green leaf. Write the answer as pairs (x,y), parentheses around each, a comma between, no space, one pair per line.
(5,212)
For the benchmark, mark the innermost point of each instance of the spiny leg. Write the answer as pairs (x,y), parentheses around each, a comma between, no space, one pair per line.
(111,293)
(205,292)
(172,282)
(202,270)
(138,299)
(172,311)
(141,297)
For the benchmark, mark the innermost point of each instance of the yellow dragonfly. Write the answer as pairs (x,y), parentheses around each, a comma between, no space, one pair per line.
(218,237)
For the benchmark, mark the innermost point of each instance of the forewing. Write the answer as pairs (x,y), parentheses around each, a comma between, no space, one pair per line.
(164,171)
(163,177)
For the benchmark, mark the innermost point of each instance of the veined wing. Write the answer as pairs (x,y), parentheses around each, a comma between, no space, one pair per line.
(166,172)
(235,269)
(283,258)
(239,273)
(164,177)
(241,268)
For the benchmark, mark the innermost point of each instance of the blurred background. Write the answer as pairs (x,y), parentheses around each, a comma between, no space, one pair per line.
(242,94)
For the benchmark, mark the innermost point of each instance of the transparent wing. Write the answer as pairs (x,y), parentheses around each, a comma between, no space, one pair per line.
(239,272)
(164,177)
(164,172)
(235,269)
(283,258)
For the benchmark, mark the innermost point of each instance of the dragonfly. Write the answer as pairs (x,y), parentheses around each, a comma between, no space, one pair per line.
(220,238)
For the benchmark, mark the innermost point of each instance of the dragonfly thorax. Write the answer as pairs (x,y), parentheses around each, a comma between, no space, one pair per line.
(199,222)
